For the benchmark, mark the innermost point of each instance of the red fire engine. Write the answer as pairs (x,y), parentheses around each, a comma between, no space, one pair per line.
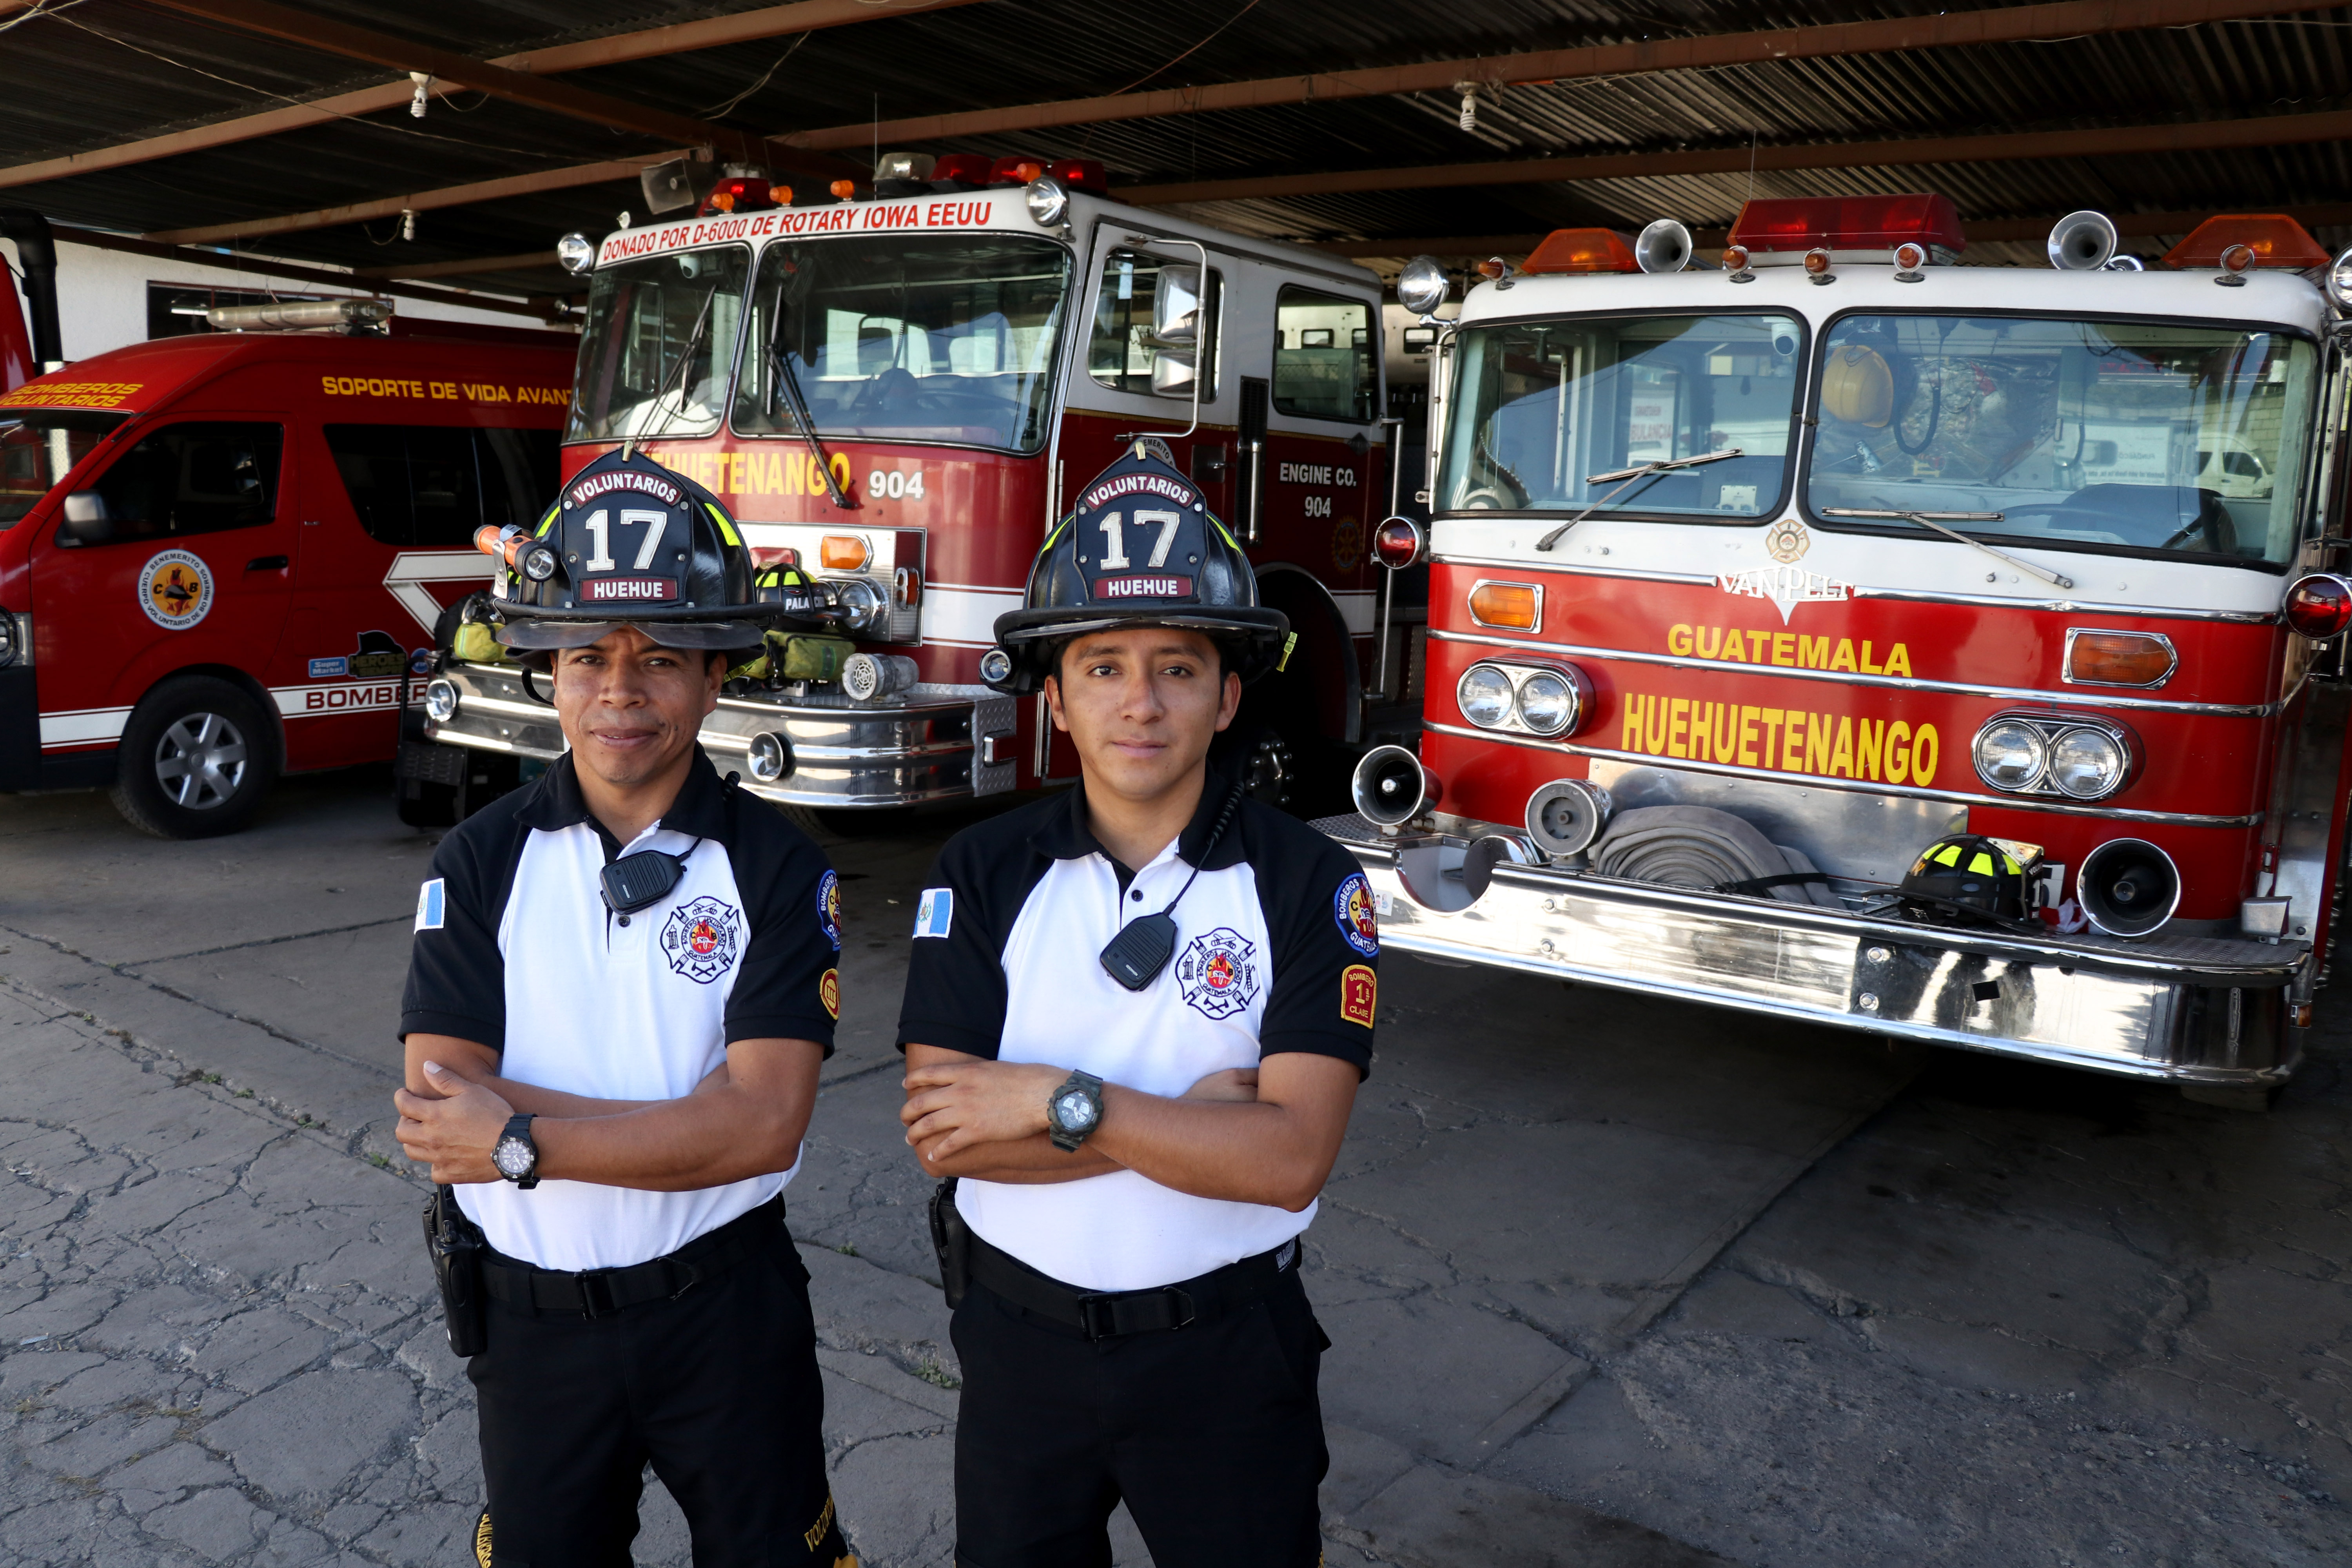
(897,390)
(1750,583)
(220,554)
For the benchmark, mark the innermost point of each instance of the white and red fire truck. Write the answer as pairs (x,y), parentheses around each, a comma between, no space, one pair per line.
(1749,584)
(898,391)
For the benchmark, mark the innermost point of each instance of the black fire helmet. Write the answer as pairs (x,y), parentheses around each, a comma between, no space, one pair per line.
(630,542)
(1967,878)
(1141,548)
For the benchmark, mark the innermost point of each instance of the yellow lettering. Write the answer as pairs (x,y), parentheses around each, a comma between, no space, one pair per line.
(1707,648)
(1783,645)
(1868,748)
(1633,706)
(1677,719)
(1925,750)
(1898,662)
(1748,717)
(1725,730)
(1700,714)
(1792,741)
(1654,727)
(1898,749)
(1771,717)
(1842,752)
(1732,646)
(1844,659)
(1868,667)
(1818,755)
(1812,653)
(1678,641)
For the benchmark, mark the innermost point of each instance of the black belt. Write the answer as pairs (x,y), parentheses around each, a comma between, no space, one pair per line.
(1102,1315)
(598,1292)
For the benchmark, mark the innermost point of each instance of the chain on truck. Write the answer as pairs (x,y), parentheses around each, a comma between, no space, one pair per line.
(1770,603)
(888,391)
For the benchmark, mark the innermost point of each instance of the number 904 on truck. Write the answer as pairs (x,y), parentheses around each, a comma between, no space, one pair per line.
(1845,634)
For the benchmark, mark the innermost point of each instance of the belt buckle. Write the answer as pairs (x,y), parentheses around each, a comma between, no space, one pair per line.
(1102,1328)
(597,1294)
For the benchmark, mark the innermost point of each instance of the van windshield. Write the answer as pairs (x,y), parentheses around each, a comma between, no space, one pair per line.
(915,338)
(2100,435)
(658,341)
(1542,405)
(39,449)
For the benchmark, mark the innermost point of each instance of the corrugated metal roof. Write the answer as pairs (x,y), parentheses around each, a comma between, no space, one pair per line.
(69,88)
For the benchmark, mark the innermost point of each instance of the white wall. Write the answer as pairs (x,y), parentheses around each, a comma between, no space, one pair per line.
(103,295)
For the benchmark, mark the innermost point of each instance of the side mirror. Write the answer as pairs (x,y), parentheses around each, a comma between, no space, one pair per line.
(88,522)
(1171,375)
(1176,307)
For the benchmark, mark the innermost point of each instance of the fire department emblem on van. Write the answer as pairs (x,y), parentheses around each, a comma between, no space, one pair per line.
(700,940)
(1787,541)
(175,589)
(1218,973)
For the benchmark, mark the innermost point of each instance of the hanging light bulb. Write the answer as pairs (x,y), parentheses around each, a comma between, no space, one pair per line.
(408,223)
(423,80)
(1469,91)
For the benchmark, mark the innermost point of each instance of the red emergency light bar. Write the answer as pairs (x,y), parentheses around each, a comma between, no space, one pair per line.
(2276,240)
(1015,170)
(1081,174)
(744,194)
(1848,223)
(1582,251)
(964,168)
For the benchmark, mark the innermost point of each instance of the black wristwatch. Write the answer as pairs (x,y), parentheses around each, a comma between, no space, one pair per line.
(1074,1112)
(515,1155)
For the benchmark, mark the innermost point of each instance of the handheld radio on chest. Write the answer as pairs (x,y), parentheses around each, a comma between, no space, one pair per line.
(1142,948)
(636,881)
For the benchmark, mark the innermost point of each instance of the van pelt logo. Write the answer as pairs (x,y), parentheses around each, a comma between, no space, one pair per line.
(700,940)
(1218,973)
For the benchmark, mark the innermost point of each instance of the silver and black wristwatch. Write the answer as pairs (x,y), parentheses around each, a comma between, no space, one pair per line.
(515,1154)
(1074,1111)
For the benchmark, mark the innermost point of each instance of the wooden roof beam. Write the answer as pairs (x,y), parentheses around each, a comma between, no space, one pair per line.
(2001,25)
(501,189)
(547,310)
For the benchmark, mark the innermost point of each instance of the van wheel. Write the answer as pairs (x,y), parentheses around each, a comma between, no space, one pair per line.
(196,758)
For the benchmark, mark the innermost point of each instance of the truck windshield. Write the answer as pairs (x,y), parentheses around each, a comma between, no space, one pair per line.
(642,316)
(41,448)
(1540,406)
(933,338)
(2086,435)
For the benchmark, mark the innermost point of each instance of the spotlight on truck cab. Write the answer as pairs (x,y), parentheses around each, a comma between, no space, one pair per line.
(1422,286)
(576,252)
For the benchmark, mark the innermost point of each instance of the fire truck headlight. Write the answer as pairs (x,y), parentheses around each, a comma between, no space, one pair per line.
(1548,704)
(7,638)
(1484,696)
(2010,755)
(441,701)
(1049,202)
(862,604)
(1422,287)
(576,251)
(2087,765)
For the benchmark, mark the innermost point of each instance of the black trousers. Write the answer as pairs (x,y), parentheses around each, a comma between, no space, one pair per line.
(718,1388)
(1212,1435)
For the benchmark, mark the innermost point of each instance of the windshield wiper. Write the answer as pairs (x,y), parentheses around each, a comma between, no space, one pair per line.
(1631,477)
(780,374)
(701,320)
(1935,520)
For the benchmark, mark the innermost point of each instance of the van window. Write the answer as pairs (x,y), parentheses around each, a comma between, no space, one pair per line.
(39,449)
(1323,356)
(421,487)
(195,478)
(1119,355)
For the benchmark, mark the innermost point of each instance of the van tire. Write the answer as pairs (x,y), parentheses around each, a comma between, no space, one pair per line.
(196,760)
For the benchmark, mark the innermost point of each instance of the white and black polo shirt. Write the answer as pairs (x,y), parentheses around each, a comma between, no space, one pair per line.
(1276,952)
(516,950)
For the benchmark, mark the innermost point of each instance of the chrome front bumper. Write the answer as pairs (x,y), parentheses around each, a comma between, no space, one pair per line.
(934,742)
(2192,1009)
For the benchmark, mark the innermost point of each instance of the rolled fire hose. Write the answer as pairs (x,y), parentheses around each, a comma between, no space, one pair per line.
(1699,847)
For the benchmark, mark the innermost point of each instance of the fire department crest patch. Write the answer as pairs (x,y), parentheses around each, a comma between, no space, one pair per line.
(1787,541)
(1218,973)
(1351,906)
(828,909)
(175,589)
(700,940)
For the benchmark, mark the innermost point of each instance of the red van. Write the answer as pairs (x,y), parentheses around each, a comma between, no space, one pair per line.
(219,555)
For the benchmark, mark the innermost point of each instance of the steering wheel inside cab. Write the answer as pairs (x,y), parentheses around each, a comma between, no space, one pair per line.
(2152,517)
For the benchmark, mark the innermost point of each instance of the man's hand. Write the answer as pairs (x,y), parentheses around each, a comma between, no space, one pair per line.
(455,1133)
(952,1106)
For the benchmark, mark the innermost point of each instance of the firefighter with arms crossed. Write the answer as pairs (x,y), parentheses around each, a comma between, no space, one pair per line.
(1136,1016)
(624,980)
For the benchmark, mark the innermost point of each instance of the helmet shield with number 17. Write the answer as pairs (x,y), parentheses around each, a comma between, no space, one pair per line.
(1139,549)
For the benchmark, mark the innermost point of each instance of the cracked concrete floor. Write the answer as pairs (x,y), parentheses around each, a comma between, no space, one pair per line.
(1611,1282)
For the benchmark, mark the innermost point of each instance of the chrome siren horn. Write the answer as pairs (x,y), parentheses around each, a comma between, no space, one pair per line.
(2081,242)
(1663,247)
(2128,887)
(1565,816)
(1392,787)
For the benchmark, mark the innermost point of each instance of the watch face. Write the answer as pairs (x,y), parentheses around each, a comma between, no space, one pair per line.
(1074,1111)
(513,1157)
